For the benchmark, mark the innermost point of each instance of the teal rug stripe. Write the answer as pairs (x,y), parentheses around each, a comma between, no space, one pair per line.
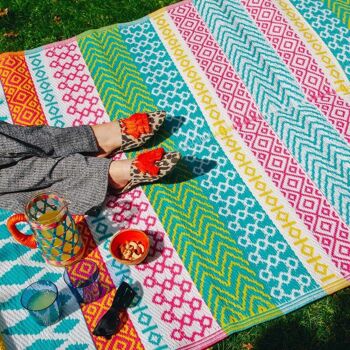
(330,29)
(163,199)
(341,9)
(318,147)
(238,209)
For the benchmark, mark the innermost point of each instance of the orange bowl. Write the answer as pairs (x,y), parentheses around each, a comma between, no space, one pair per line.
(128,235)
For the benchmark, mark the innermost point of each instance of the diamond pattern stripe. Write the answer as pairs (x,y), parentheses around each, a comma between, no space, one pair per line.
(309,203)
(298,58)
(313,142)
(19,90)
(127,337)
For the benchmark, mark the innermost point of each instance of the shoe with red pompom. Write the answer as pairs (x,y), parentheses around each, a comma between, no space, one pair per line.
(151,166)
(139,128)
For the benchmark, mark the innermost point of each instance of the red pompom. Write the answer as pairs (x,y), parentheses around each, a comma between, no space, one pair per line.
(145,162)
(136,125)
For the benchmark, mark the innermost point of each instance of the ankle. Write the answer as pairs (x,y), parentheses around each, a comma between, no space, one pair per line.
(119,173)
(108,136)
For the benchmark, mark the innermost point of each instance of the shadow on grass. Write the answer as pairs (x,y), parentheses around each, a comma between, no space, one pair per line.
(322,325)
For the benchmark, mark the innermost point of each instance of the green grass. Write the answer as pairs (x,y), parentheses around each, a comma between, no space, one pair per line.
(34,20)
(322,325)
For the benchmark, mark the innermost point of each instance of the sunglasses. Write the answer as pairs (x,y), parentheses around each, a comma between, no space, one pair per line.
(109,323)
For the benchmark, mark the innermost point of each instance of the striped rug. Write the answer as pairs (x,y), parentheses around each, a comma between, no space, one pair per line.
(254,222)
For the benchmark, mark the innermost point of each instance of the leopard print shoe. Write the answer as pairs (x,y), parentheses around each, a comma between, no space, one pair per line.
(139,128)
(151,166)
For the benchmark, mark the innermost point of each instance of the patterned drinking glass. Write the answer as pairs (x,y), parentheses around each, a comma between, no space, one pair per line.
(82,279)
(40,299)
(55,232)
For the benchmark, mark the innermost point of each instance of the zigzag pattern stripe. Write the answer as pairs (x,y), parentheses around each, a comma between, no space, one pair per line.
(341,8)
(308,136)
(222,274)
(181,224)
(281,167)
(330,29)
(241,157)
(222,185)
(299,60)
(115,77)
(320,50)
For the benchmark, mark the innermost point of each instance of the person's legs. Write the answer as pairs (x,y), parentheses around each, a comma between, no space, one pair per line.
(82,180)
(48,158)
(18,141)
(108,137)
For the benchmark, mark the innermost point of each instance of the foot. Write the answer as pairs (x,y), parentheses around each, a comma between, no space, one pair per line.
(147,167)
(127,133)
(139,128)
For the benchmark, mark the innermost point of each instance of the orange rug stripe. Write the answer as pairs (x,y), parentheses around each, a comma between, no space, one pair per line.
(19,90)
(127,337)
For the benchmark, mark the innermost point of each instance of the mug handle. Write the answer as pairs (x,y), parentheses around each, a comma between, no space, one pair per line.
(27,240)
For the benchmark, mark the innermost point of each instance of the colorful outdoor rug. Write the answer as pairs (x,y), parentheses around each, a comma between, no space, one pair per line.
(254,223)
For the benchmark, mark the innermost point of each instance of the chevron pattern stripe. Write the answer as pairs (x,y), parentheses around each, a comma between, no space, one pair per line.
(19,89)
(218,189)
(134,83)
(285,172)
(115,76)
(330,29)
(220,264)
(301,63)
(309,138)
(341,9)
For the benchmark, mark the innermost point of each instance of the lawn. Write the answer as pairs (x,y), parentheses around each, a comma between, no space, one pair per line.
(322,325)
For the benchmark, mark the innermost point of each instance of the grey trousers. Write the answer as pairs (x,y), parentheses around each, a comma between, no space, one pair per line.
(39,158)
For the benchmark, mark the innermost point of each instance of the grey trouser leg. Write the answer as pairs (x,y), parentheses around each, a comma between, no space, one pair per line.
(81,180)
(34,159)
(18,141)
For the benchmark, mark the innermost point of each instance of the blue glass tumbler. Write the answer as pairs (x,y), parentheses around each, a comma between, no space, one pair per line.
(82,279)
(40,299)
